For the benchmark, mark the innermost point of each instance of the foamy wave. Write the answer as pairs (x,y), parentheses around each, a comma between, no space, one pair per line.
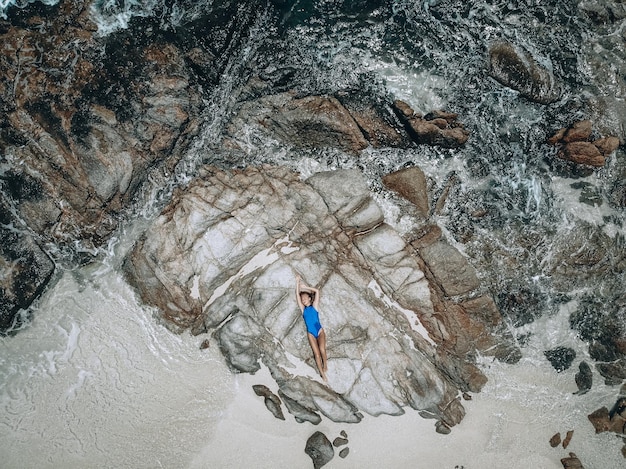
(112,15)
(5,4)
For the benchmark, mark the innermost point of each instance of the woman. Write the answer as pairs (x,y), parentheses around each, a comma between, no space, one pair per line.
(308,301)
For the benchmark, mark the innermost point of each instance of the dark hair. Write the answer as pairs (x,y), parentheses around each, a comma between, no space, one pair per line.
(311,295)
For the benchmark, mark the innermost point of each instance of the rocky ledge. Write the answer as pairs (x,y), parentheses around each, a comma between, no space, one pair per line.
(404,324)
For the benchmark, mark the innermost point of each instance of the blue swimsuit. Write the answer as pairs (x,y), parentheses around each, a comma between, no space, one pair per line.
(312,321)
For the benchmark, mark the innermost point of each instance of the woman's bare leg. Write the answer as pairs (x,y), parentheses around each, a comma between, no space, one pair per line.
(316,354)
(321,341)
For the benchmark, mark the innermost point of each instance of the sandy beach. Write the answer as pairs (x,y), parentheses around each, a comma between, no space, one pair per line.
(498,430)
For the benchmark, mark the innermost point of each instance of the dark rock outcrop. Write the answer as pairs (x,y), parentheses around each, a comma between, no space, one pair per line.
(516,68)
(576,144)
(560,358)
(87,124)
(319,449)
(307,122)
(25,270)
(346,121)
(584,378)
(439,128)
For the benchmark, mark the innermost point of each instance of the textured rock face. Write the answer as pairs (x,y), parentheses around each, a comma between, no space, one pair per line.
(345,122)
(85,119)
(86,139)
(223,257)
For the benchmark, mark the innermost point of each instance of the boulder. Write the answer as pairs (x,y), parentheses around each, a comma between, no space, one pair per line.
(582,153)
(555,440)
(411,184)
(319,449)
(560,358)
(375,118)
(517,69)
(572,462)
(438,128)
(584,378)
(222,258)
(306,122)
(576,144)
(604,420)
(568,438)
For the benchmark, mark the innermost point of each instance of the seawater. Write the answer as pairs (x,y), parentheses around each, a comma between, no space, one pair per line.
(94,381)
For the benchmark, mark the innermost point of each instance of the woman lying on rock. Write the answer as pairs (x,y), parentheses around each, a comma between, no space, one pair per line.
(308,301)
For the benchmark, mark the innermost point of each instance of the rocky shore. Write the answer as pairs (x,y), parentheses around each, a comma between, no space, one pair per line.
(89,122)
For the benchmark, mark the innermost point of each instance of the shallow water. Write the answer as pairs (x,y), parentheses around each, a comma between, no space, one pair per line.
(95,382)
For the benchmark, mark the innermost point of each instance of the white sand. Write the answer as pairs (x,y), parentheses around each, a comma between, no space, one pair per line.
(502,429)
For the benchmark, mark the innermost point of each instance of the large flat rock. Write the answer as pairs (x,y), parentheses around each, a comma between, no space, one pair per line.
(223,256)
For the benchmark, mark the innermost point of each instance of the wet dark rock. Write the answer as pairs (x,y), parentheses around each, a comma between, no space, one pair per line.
(343,434)
(555,440)
(306,122)
(576,144)
(572,462)
(560,358)
(272,401)
(568,438)
(516,68)
(603,12)
(26,270)
(442,428)
(411,184)
(614,420)
(344,453)
(375,118)
(584,378)
(522,305)
(84,146)
(205,344)
(598,321)
(319,449)
(339,442)
(617,196)
(613,372)
(438,128)
(619,408)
